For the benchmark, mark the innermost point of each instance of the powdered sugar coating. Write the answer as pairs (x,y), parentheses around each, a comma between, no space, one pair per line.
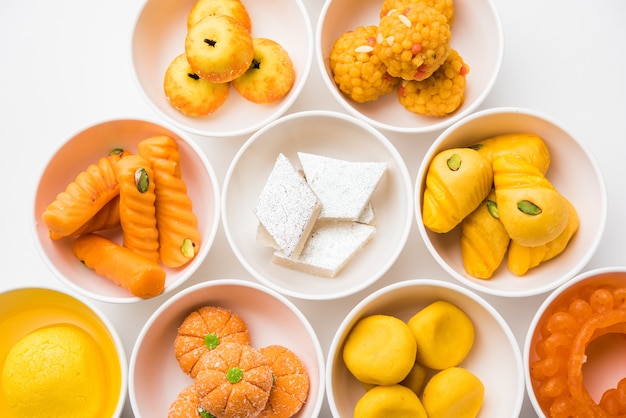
(343,187)
(287,207)
(330,246)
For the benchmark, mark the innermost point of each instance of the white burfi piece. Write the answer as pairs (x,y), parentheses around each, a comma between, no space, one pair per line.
(367,216)
(264,238)
(343,187)
(329,248)
(287,207)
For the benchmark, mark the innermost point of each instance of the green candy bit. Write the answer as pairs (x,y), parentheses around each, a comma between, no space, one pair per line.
(187,248)
(234,375)
(492,207)
(142,181)
(116,151)
(204,413)
(528,207)
(211,341)
(454,162)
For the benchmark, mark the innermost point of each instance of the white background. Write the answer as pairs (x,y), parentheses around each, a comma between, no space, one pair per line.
(65,65)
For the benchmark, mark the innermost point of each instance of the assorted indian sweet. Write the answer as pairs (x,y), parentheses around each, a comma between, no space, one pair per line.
(219,51)
(318,216)
(232,378)
(141,193)
(558,352)
(408,51)
(56,370)
(484,241)
(497,191)
(204,329)
(458,179)
(414,368)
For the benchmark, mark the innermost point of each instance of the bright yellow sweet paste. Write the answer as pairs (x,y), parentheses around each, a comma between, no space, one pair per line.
(55,371)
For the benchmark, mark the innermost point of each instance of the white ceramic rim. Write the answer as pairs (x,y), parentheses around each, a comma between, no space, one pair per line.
(343,102)
(285,105)
(119,346)
(403,171)
(538,315)
(334,345)
(230,282)
(204,250)
(582,262)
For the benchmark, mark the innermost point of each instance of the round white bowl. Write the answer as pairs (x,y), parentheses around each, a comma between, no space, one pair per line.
(155,376)
(333,135)
(604,365)
(87,146)
(477,35)
(159,36)
(24,310)
(573,171)
(503,378)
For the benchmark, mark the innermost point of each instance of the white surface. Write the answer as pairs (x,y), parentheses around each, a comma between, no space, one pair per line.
(64,66)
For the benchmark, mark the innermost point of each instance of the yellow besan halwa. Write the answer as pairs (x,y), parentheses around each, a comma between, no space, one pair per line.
(380,350)
(55,371)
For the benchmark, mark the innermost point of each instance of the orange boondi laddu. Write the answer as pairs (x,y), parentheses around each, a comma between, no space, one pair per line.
(440,94)
(358,71)
(414,42)
(445,7)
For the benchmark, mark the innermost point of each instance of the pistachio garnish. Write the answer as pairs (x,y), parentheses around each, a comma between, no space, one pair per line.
(141,180)
(476,147)
(204,413)
(454,162)
(528,207)
(211,341)
(187,248)
(492,207)
(116,151)
(234,375)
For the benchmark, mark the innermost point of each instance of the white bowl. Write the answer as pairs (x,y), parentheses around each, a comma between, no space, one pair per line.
(604,362)
(503,378)
(573,171)
(155,376)
(333,135)
(86,147)
(24,310)
(477,35)
(159,36)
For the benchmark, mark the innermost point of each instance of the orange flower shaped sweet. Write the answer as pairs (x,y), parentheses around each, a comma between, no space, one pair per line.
(234,381)
(203,330)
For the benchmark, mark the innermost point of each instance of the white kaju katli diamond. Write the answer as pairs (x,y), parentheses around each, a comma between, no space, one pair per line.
(343,187)
(329,247)
(287,207)
(263,237)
